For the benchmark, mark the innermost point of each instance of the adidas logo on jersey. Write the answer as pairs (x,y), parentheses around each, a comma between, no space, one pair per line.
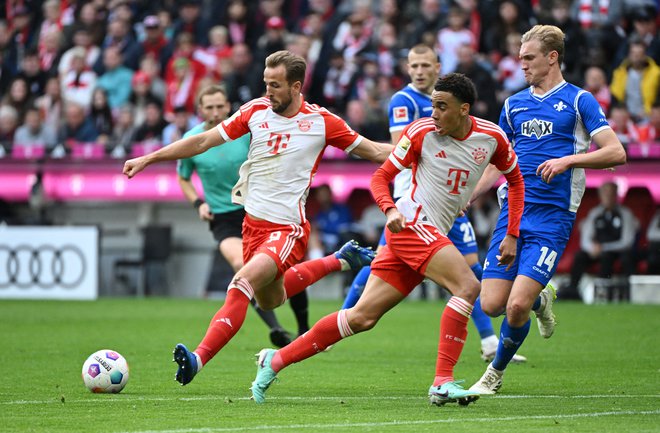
(441,154)
(263,125)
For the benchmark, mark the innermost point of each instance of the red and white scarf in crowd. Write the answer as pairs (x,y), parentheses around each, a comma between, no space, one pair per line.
(586,14)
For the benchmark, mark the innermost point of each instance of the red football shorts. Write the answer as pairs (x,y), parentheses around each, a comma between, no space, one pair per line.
(402,262)
(285,243)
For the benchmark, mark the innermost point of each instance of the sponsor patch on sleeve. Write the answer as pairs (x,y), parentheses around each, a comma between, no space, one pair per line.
(402,148)
(401,114)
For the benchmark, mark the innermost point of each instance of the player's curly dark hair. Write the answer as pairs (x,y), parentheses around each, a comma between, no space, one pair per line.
(458,85)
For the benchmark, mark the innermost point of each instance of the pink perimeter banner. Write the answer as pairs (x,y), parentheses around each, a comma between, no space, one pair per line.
(104,181)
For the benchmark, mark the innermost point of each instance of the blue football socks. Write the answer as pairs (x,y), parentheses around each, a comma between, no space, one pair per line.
(481,320)
(357,287)
(510,341)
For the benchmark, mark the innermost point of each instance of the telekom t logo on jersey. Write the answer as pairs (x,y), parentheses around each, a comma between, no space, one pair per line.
(457,178)
(278,141)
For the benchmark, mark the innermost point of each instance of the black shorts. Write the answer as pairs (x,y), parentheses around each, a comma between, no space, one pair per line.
(227,225)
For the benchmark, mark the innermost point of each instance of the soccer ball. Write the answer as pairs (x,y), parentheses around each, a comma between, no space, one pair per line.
(105,371)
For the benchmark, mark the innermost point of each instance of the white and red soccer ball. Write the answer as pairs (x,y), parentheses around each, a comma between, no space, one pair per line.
(105,371)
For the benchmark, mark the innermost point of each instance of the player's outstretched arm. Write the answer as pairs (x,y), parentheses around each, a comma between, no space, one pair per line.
(373,151)
(609,154)
(486,181)
(380,189)
(183,148)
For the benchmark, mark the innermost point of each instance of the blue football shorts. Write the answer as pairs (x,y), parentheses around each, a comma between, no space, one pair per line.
(544,233)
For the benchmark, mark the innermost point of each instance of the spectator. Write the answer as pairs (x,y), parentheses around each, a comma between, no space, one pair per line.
(191,21)
(79,82)
(636,81)
(81,39)
(157,85)
(272,40)
(31,72)
(20,35)
(185,48)
(486,105)
(653,236)
(116,80)
(239,30)
(452,37)
(573,40)
(218,50)
(51,21)
(509,20)
(595,82)
(387,48)
(353,35)
(645,28)
(245,82)
(33,132)
(101,115)
(50,51)
(654,124)
(510,76)
(90,19)
(623,125)
(50,104)
(606,234)
(155,44)
(371,225)
(337,82)
(120,39)
(8,125)
(151,130)
(301,45)
(6,73)
(77,128)
(181,88)
(425,19)
(333,221)
(140,96)
(182,122)
(123,134)
(18,97)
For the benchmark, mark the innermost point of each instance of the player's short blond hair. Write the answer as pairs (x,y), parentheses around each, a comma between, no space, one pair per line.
(550,37)
(294,65)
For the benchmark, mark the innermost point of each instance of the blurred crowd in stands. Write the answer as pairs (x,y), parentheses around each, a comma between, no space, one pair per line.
(125,72)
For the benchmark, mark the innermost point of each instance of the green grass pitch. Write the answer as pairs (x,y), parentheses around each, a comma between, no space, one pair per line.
(600,372)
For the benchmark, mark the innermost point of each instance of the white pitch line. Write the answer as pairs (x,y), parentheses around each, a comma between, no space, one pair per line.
(129,399)
(399,423)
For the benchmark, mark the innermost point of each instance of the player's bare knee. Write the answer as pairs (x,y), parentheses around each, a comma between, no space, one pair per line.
(469,291)
(492,309)
(360,322)
(517,312)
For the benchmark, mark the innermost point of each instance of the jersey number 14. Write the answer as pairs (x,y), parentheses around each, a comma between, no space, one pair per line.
(547,258)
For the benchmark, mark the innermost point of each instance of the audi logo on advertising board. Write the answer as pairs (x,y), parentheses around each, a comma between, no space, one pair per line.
(45,266)
(49,262)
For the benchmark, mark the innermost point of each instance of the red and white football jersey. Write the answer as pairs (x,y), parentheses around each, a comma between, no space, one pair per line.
(283,157)
(445,170)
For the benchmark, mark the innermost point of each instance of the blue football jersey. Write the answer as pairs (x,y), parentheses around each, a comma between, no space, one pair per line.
(406,106)
(554,125)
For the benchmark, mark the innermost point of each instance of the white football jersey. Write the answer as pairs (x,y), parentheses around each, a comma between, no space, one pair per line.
(445,170)
(284,156)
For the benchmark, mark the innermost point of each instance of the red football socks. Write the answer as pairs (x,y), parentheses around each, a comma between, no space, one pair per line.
(323,334)
(453,332)
(227,321)
(299,277)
